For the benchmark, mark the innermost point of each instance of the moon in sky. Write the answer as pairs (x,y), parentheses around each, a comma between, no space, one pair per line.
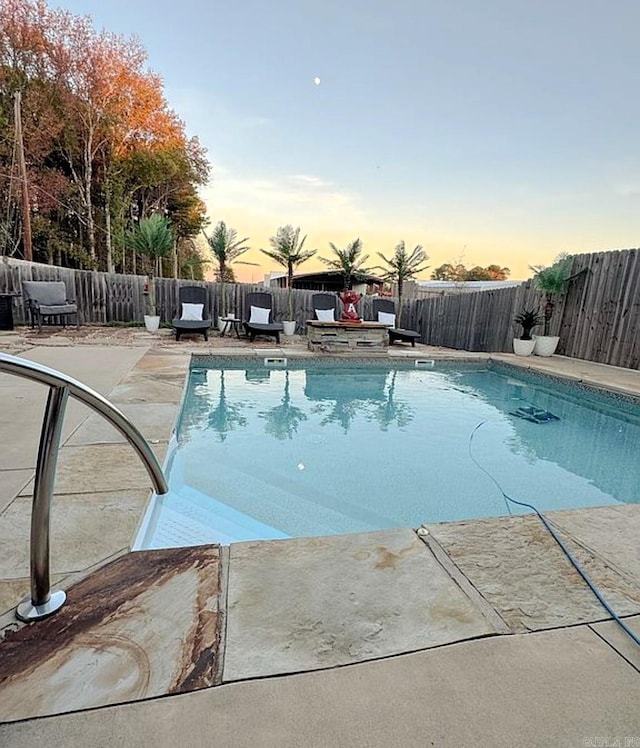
(316,80)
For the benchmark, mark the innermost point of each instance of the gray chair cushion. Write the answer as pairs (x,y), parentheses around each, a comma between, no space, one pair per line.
(46,309)
(191,324)
(46,293)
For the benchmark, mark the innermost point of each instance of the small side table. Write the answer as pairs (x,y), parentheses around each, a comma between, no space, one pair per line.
(6,310)
(230,324)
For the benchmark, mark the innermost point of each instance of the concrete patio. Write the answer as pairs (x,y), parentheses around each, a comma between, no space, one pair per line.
(474,632)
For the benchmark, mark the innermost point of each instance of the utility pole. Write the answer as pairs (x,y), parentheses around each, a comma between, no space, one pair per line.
(26,208)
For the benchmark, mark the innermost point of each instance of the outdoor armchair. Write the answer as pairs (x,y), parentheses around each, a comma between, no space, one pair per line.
(325,307)
(384,310)
(192,315)
(46,299)
(260,320)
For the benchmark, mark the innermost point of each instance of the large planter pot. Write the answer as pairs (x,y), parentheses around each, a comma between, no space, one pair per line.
(152,322)
(546,345)
(523,347)
(289,327)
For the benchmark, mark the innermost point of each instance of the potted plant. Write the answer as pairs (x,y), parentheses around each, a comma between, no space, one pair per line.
(287,250)
(151,237)
(151,318)
(552,281)
(527,319)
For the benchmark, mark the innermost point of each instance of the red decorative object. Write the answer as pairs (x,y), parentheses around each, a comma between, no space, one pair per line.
(349,300)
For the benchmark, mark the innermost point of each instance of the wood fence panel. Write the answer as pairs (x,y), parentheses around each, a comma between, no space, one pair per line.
(630,288)
(610,305)
(600,284)
(578,327)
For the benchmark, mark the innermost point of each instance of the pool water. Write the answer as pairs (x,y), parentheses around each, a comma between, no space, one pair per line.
(322,448)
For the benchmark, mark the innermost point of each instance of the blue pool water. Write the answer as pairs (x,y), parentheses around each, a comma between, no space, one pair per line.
(263,452)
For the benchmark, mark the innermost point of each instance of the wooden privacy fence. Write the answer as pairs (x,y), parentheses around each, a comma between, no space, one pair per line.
(598,319)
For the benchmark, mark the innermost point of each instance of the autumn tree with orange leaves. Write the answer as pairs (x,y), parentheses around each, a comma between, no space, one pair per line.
(103,148)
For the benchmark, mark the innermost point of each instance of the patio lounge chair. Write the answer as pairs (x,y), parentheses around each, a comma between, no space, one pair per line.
(260,317)
(387,309)
(46,299)
(325,303)
(192,315)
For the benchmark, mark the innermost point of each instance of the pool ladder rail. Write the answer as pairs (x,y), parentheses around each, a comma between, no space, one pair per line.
(43,601)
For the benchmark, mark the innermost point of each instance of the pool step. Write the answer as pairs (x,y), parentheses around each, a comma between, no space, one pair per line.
(192,518)
(284,501)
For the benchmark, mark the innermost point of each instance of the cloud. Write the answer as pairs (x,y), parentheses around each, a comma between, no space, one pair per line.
(306,179)
(255,121)
(300,199)
(628,190)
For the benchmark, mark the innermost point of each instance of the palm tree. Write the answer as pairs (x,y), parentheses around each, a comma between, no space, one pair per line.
(403,266)
(287,251)
(152,237)
(226,249)
(349,261)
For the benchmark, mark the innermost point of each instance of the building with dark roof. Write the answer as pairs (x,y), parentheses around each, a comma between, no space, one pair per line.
(329,280)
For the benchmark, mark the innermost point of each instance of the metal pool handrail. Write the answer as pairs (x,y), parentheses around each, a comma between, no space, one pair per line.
(43,602)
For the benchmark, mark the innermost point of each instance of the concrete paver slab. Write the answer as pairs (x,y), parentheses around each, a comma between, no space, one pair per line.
(12,591)
(620,640)
(148,390)
(610,532)
(99,367)
(544,689)
(309,603)
(515,564)
(146,624)
(85,528)
(154,420)
(11,484)
(101,467)
(600,375)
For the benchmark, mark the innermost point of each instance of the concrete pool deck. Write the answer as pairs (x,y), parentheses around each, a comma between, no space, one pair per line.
(468,633)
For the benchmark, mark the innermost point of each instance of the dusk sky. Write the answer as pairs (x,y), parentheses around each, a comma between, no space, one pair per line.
(498,132)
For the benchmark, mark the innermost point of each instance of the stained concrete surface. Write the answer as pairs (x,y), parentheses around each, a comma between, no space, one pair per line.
(307,603)
(147,624)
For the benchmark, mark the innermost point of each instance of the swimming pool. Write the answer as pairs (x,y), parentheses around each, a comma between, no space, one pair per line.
(322,446)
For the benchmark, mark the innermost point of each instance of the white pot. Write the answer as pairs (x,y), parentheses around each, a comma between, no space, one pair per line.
(289,327)
(546,345)
(523,347)
(152,322)
(221,324)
